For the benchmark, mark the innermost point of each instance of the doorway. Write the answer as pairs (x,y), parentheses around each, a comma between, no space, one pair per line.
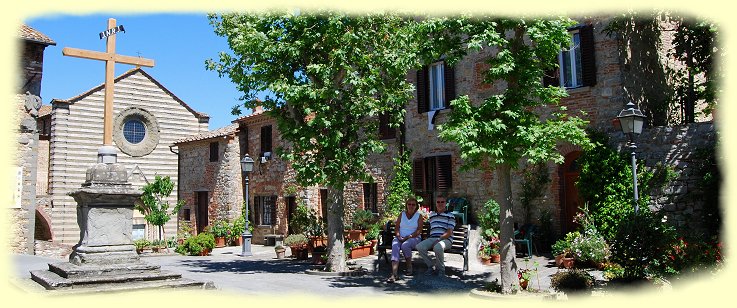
(202,212)
(570,198)
(291,208)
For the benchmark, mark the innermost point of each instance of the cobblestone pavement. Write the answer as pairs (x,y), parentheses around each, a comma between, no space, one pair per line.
(263,274)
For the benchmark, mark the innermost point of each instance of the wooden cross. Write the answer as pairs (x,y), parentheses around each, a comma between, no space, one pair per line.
(110,57)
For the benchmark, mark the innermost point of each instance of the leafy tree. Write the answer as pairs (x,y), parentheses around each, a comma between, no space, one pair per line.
(153,207)
(331,75)
(510,126)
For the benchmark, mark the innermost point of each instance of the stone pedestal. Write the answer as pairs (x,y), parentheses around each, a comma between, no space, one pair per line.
(105,217)
(105,258)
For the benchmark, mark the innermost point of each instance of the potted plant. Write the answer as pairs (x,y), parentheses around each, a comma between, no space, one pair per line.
(319,255)
(298,244)
(372,235)
(572,281)
(219,230)
(360,223)
(199,245)
(185,231)
(279,249)
(525,275)
(357,248)
(141,244)
(236,230)
(563,252)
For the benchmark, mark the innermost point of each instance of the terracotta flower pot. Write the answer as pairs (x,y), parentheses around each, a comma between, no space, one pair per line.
(220,241)
(496,258)
(567,262)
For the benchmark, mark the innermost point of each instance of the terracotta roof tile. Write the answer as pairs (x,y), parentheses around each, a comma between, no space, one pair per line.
(27,33)
(223,131)
(44,110)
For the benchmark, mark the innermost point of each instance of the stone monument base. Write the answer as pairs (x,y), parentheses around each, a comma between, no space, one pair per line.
(68,277)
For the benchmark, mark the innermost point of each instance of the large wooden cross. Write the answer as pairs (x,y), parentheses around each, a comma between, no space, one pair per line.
(110,57)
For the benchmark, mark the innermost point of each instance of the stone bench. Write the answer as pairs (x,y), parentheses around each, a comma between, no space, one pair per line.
(273,239)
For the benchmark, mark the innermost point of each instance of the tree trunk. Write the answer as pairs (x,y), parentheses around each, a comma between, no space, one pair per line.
(336,245)
(508,266)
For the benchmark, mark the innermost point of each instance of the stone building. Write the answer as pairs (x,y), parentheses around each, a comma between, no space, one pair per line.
(148,118)
(23,212)
(212,183)
(604,79)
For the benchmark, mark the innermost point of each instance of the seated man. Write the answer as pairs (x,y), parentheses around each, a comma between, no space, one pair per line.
(441,231)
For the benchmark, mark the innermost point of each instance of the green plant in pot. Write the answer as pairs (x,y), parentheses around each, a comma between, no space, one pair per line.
(298,244)
(572,281)
(279,249)
(141,244)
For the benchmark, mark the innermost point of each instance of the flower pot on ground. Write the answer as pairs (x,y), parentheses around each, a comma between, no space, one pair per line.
(298,244)
(219,241)
(495,258)
(140,244)
(485,261)
(567,262)
(280,251)
(319,256)
(572,281)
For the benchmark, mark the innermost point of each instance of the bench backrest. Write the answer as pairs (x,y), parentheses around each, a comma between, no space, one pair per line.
(460,236)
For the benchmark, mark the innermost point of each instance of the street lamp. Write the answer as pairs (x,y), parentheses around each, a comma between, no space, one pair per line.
(631,119)
(246,167)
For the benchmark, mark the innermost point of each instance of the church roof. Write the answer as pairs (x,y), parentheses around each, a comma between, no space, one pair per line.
(124,75)
(27,33)
(220,132)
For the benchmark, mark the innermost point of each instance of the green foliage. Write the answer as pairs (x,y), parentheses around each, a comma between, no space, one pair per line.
(220,228)
(589,247)
(363,219)
(605,182)
(535,180)
(238,226)
(373,231)
(153,207)
(489,219)
(295,240)
(331,75)
(710,187)
(545,233)
(400,186)
(141,243)
(642,245)
(300,219)
(564,245)
(194,245)
(571,281)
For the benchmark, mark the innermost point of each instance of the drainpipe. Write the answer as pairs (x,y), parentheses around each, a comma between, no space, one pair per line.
(179,178)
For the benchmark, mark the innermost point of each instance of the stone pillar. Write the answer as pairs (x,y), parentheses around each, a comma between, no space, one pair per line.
(105,215)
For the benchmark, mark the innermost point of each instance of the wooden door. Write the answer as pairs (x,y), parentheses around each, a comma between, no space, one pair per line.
(291,208)
(571,201)
(202,212)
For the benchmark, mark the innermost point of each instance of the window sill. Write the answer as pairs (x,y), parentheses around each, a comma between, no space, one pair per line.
(578,89)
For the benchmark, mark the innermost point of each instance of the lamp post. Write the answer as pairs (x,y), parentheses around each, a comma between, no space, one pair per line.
(631,119)
(246,167)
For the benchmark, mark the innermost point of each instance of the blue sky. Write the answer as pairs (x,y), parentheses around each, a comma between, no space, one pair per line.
(178,43)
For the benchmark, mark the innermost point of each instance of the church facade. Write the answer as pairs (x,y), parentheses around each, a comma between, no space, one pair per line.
(148,118)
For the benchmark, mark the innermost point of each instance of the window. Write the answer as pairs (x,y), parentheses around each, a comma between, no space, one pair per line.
(134,131)
(370,197)
(265,207)
(186,214)
(432,174)
(214,151)
(576,63)
(139,231)
(569,61)
(386,131)
(435,87)
(265,139)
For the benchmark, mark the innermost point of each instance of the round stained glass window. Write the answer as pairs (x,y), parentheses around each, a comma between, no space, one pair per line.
(134,131)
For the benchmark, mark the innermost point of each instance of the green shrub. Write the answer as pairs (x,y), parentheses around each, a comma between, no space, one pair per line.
(141,243)
(574,280)
(373,231)
(489,219)
(642,245)
(362,219)
(194,245)
(295,240)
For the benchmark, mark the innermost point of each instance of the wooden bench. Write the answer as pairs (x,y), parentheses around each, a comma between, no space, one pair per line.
(459,246)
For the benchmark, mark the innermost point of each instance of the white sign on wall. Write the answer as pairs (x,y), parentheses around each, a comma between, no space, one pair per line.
(18,193)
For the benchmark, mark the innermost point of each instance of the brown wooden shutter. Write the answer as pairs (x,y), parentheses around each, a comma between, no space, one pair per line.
(418,174)
(257,210)
(588,61)
(423,101)
(265,139)
(385,131)
(243,139)
(450,83)
(443,172)
(272,201)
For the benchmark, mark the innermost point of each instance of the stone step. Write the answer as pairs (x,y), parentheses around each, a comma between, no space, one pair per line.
(69,270)
(53,281)
(67,287)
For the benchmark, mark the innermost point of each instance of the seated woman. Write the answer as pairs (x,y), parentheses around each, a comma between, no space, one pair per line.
(407,231)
